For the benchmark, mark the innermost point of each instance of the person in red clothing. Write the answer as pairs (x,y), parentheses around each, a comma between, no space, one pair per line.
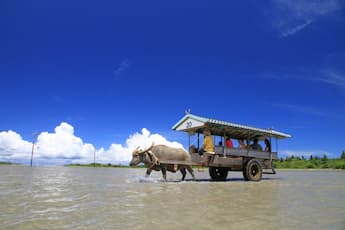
(228,142)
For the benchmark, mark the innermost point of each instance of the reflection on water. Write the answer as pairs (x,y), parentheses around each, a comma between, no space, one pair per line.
(108,198)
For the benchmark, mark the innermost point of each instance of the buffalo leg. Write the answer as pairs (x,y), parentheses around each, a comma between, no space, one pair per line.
(190,170)
(164,173)
(183,171)
(148,172)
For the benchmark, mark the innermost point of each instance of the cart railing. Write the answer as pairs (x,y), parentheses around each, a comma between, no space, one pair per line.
(245,153)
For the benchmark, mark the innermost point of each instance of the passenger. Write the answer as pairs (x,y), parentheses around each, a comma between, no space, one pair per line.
(229,143)
(241,144)
(268,145)
(207,147)
(256,145)
(193,149)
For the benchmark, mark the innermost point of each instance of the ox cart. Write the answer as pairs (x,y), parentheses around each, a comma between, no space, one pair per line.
(253,163)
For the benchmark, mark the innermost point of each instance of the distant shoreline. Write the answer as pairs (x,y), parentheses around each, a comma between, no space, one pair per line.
(296,163)
(7,163)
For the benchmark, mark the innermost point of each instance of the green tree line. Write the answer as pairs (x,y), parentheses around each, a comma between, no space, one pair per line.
(314,162)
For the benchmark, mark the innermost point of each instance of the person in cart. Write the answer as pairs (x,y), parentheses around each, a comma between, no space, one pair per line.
(268,145)
(228,142)
(241,144)
(207,147)
(256,145)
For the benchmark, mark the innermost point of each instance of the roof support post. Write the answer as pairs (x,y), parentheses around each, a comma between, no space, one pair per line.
(248,144)
(224,144)
(198,140)
(188,142)
(271,150)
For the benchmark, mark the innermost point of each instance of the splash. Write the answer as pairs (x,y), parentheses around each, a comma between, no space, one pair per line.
(143,179)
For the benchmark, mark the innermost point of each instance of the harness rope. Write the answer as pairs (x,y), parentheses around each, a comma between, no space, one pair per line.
(153,158)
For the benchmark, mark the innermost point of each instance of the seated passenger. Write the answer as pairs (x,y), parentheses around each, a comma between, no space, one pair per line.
(268,145)
(193,149)
(229,143)
(207,147)
(241,144)
(256,145)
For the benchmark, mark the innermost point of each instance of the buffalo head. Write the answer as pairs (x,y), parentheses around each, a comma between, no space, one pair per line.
(141,156)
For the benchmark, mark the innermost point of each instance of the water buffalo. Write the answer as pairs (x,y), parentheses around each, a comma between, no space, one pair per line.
(153,155)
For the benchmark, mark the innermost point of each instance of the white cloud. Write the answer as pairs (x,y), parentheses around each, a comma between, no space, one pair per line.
(293,30)
(332,77)
(13,147)
(62,146)
(120,154)
(145,138)
(328,75)
(289,17)
(124,64)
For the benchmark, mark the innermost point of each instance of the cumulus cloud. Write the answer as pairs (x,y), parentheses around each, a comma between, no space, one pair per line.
(289,17)
(145,138)
(62,146)
(123,154)
(13,147)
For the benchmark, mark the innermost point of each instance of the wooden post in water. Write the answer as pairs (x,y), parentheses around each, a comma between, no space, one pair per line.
(33,146)
(94,158)
(32,153)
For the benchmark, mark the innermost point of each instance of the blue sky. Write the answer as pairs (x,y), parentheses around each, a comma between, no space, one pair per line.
(109,69)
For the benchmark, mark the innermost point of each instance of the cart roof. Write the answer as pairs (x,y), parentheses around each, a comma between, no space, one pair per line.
(196,124)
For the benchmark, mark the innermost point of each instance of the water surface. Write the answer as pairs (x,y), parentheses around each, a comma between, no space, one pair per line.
(113,198)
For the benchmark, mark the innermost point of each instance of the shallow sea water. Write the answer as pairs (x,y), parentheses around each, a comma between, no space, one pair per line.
(113,198)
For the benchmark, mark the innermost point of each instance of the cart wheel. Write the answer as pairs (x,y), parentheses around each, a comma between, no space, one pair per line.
(218,173)
(252,171)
